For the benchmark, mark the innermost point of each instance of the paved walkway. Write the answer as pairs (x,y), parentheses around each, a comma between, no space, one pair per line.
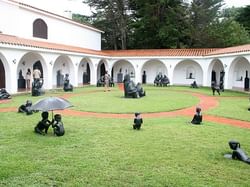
(206,103)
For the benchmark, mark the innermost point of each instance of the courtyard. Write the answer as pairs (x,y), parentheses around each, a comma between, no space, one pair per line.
(100,147)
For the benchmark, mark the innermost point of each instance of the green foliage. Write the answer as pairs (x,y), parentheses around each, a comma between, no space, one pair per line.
(243,17)
(227,33)
(159,24)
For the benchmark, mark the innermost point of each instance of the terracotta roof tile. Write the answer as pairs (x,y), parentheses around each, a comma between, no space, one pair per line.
(230,50)
(13,40)
(160,52)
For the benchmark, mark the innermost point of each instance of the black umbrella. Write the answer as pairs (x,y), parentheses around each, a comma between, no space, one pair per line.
(51,103)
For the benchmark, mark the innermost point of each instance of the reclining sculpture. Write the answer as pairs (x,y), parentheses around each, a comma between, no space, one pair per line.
(4,94)
(66,85)
(238,153)
(26,108)
(132,90)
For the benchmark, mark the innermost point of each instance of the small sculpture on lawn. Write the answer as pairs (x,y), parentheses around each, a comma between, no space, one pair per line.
(66,85)
(37,87)
(137,121)
(238,153)
(197,119)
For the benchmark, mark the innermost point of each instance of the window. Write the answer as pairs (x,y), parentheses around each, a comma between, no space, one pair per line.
(40,29)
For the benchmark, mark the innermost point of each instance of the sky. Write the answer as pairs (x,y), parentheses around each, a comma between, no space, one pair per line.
(76,6)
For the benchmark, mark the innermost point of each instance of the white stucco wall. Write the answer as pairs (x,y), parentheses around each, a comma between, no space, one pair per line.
(18,21)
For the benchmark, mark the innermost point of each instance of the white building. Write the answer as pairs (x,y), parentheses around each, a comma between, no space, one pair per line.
(31,37)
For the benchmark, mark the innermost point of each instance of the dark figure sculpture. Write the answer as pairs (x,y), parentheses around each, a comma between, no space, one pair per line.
(66,85)
(26,108)
(215,87)
(43,125)
(37,87)
(194,85)
(137,121)
(130,90)
(165,81)
(197,119)
(238,153)
(222,74)
(111,82)
(157,80)
(57,125)
(4,94)
(100,82)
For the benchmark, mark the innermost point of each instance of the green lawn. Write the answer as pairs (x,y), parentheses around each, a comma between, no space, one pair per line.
(107,152)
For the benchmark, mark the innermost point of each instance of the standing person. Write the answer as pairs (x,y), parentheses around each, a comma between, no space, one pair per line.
(106,81)
(28,77)
(36,74)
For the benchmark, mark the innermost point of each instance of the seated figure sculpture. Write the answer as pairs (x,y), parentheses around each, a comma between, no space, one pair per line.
(37,87)
(4,94)
(100,82)
(131,90)
(238,153)
(66,85)
(137,121)
(43,125)
(194,85)
(26,108)
(157,80)
(57,125)
(197,119)
(165,81)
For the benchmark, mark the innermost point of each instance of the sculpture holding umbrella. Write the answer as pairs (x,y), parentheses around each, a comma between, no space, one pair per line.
(50,104)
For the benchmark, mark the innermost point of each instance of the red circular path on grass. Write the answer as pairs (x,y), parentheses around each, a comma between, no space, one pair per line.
(205,102)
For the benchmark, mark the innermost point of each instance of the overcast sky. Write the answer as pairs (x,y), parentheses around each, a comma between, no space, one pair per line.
(76,6)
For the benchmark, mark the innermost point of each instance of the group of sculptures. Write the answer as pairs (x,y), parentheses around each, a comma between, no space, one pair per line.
(161,80)
(131,90)
(44,124)
(101,82)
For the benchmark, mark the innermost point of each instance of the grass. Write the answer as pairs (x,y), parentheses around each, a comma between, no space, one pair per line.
(157,100)
(107,152)
(235,108)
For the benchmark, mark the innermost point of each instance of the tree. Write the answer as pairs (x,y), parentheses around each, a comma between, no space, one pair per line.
(111,16)
(202,14)
(158,24)
(243,17)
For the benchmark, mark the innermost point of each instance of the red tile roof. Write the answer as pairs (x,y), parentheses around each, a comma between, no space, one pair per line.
(13,40)
(231,50)
(160,52)
(17,41)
